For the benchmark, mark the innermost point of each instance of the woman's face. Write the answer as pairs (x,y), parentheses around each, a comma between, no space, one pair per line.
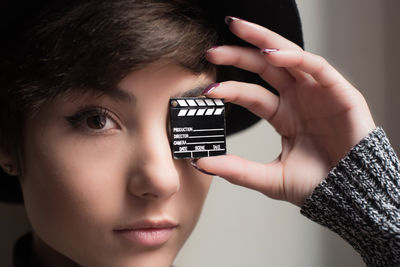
(100,185)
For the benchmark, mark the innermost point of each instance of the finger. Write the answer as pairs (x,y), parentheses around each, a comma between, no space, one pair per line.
(258,35)
(265,178)
(254,97)
(314,65)
(251,60)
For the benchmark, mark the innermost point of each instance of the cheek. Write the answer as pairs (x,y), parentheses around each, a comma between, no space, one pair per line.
(195,186)
(70,182)
(187,204)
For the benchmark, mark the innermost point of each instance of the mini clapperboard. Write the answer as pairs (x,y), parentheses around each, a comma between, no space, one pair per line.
(197,127)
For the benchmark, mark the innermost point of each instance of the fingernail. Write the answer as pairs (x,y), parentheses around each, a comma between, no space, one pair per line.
(269,50)
(213,47)
(210,88)
(194,164)
(229,19)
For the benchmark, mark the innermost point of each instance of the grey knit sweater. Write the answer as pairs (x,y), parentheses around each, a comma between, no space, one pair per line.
(360,200)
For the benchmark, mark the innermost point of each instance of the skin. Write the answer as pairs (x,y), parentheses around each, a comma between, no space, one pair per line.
(319,115)
(81,184)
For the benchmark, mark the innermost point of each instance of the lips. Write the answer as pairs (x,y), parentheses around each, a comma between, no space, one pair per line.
(148,233)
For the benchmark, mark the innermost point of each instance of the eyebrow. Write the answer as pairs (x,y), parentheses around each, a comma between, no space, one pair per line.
(120,95)
(197,91)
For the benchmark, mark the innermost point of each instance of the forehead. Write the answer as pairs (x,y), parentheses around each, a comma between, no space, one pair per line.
(165,79)
(156,81)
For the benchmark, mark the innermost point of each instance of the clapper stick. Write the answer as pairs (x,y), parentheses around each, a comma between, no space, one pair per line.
(197,127)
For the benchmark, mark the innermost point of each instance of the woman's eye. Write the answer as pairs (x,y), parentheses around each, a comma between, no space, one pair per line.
(95,121)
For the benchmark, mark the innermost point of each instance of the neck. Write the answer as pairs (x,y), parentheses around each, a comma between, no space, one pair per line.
(45,256)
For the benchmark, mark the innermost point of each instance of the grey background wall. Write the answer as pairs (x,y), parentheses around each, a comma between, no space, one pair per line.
(240,227)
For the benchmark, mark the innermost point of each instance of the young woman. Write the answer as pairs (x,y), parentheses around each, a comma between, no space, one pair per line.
(84,115)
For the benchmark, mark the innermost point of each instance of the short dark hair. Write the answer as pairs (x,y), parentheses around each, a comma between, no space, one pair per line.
(91,45)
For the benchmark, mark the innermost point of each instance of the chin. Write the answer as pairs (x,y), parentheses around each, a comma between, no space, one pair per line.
(152,257)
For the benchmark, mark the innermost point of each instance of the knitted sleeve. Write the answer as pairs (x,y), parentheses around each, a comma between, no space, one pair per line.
(360,200)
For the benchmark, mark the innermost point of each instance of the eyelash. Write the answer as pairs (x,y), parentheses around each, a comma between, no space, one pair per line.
(78,120)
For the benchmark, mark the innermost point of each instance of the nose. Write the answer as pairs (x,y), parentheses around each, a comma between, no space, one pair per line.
(155,175)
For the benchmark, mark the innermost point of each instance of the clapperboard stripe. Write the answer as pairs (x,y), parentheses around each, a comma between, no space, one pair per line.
(191,112)
(192,103)
(218,111)
(197,127)
(199,102)
(200,112)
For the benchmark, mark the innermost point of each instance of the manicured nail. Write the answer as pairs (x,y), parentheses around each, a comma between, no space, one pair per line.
(212,48)
(210,88)
(194,164)
(229,19)
(269,50)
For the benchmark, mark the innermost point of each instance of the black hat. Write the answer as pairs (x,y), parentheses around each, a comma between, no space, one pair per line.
(280,16)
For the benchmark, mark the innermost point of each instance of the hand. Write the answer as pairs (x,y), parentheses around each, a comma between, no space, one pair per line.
(319,114)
